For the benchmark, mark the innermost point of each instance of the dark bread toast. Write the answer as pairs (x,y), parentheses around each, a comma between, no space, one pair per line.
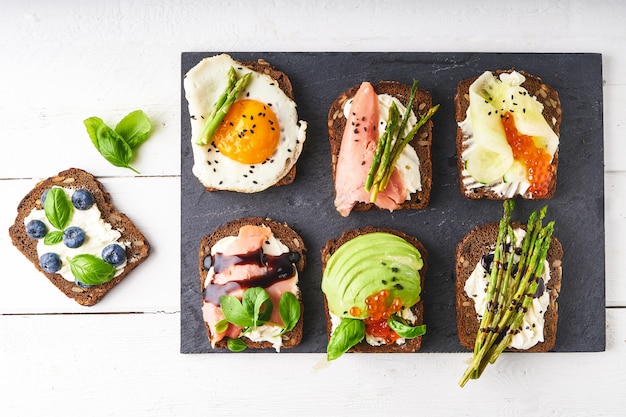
(288,237)
(76,178)
(551,113)
(410,345)
(284,84)
(481,240)
(422,142)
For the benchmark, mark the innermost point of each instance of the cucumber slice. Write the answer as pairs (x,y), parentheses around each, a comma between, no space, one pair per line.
(516,173)
(486,166)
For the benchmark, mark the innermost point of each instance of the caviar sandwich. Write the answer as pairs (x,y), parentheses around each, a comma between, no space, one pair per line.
(508,277)
(380,139)
(507,136)
(372,281)
(69,229)
(249,280)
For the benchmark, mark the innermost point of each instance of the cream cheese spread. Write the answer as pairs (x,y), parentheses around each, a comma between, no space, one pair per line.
(99,234)
(531,331)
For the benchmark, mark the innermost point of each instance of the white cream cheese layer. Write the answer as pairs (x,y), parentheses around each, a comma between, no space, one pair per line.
(408,164)
(531,331)
(99,234)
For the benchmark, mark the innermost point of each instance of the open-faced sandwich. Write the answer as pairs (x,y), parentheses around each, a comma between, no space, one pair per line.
(245,133)
(69,229)
(249,279)
(372,282)
(369,127)
(507,136)
(508,277)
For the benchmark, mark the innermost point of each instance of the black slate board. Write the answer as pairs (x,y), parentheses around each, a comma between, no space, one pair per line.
(307,204)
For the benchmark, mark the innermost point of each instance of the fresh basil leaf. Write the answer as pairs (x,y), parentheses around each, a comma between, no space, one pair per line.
(289,309)
(221,326)
(90,269)
(134,128)
(112,147)
(347,334)
(257,303)
(52,238)
(92,124)
(236,345)
(58,208)
(234,311)
(405,330)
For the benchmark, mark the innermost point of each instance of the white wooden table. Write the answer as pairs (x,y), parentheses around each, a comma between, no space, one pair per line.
(63,61)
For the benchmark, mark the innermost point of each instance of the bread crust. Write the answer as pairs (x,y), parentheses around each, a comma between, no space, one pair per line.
(410,345)
(470,249)
(289,238)
(284,84)
(422,142)
(551,112)
(76,178)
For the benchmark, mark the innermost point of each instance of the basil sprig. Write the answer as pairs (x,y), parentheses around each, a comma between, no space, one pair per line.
(405,330)
(91,270)
(347,334)
(58,208)
(53,237)
(254,310)
(117,145)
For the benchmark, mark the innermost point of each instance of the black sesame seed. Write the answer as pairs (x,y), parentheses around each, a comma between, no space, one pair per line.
(356,131)
(245,175)
(395,269)
(489,114)
(254,182)
(362,162)
(193,117)
(221,182)
(524,110)
(399,287)
(384,281)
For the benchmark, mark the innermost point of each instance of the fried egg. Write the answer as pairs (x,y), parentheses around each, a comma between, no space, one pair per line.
(260,138)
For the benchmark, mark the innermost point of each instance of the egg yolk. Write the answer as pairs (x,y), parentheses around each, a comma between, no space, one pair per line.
(249,132)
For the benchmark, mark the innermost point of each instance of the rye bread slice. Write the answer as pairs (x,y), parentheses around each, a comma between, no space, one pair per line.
(422,142)
(75,178)
(411,345)
(284,84)
(551,112)
(283,233)
(481,240)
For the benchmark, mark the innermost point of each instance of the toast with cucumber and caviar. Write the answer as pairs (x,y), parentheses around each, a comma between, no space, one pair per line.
(508,132)
(380,141)
(372,279)
(508,279)
(68,227)
(249,272)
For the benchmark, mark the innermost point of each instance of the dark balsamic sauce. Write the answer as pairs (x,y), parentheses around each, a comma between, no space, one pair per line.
(278,268)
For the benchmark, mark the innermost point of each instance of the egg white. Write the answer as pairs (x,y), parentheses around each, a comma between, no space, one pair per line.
(203,84)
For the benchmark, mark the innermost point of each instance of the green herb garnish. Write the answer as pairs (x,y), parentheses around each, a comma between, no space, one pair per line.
(234,86)
(91,270)
(53,237)
(117,145)
(58,208)
(405,330)
(391,144)
(349,333)
(509,286)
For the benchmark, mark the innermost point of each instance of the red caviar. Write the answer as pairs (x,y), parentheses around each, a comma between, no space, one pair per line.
(536,160)
(379,311)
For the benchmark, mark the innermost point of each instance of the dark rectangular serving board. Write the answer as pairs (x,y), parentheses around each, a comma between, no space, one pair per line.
(307,204)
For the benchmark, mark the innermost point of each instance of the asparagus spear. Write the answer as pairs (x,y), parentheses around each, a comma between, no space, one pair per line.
(228,97)
(392,126)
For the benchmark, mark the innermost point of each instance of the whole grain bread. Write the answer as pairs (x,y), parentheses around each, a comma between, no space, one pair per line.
(422,142)
(284,234)
(552,112)
(284,84)
(480,241)
(411,345)
(75,178)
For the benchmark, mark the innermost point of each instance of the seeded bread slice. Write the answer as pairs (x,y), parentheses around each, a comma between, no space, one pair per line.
(551,112)
(284,234)
(284,84)
(480,241)
(411,345)
(422,142)
(75,178)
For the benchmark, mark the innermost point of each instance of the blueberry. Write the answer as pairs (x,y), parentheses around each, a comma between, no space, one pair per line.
(73,237)
(80,284)
(82,199)
(43,196)
(114,254)
(36,229)
(50,262)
